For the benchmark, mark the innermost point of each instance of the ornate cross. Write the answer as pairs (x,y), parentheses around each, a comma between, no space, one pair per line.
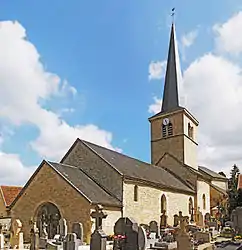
(98,215)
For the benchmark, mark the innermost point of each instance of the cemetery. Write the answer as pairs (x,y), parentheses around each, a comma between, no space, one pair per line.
(186,233)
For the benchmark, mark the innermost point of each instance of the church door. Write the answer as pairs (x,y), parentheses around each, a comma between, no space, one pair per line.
(48,215)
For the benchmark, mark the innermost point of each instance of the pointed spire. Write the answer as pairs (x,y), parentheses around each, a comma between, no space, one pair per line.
(173,76)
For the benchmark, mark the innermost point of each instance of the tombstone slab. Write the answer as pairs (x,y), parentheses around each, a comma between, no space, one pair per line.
(98,240)
(77,228)
(70,242)
(142,238)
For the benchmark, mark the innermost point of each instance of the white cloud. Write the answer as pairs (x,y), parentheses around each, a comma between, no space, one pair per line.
(157,70)
(188,39)
(25,84)
(212,88)
(155,107)
(229,38)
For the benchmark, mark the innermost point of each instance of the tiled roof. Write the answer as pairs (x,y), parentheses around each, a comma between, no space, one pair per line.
(211,173)
(85,185)
(137,169)
(10,193)
(240,181)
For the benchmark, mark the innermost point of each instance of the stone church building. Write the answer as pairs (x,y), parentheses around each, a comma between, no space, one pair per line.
(89,174)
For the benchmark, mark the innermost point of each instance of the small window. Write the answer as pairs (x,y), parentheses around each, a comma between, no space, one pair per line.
(190,131)
(163,203)
(170,129)
(204,201)
(135,193)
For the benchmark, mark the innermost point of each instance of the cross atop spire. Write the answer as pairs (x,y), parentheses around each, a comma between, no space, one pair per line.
(173,75)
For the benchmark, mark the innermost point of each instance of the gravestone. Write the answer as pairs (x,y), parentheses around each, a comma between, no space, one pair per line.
(207,218)
(176,220)
(98,237)
(16,227)
(153,229)
(236,218)
(62,229)
(77,228)
(200,221)
(142,238)
(202,237)
(183,239)
(129,228)
(70,242)
(163,220)
(34,236)
(98,240)
(44,236)
(21,240)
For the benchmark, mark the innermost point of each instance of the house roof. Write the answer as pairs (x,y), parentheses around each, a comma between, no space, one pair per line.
(130,167)
(239,181)
(85,184)
(9,193)
(211,173)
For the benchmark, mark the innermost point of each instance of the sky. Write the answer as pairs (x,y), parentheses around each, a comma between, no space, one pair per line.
(95,70)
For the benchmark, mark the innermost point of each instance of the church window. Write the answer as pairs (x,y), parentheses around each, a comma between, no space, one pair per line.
(135,193)
(190,205)
(190,131)
(163,203)
(170,129)
(204,201)
(164,134)
(167,130)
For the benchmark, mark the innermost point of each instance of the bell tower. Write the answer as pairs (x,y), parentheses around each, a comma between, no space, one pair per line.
(174,128)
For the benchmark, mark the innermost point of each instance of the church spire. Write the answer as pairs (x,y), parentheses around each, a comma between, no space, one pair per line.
(173,76)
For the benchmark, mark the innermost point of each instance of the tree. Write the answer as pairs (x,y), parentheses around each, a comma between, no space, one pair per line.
(239,199)
(232,188)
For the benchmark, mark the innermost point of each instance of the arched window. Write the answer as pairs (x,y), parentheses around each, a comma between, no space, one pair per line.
(204,201)
(190,205)
(135,193)
(190,131)
(163,203)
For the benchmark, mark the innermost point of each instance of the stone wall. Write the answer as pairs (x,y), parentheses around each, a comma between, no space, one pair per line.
(148,206)
(48,186)
(203,188)
(220,184)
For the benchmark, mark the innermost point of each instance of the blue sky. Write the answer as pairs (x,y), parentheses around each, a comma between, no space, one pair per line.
(103,49)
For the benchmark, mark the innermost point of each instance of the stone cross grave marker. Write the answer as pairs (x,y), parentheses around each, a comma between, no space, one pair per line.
(16,227)
(98,237)
(98,215)
(70,242)
(176,220)
(77,228)
(62,229)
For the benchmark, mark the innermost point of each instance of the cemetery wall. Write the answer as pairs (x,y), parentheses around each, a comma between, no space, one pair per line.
(148,206)
(203,188)
(48,186)
(220,184)
(97,168)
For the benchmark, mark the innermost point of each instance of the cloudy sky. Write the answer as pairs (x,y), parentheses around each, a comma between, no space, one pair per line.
(95,70)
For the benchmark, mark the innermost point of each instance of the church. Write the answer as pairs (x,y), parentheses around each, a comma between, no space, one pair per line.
(89,174)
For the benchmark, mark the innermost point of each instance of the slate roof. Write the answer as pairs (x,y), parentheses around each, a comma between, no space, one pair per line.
(130,167)
(85,185)
(9,193)
(211,173)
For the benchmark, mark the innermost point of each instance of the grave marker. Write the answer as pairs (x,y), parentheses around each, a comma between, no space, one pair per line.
(62,229)
(70,242)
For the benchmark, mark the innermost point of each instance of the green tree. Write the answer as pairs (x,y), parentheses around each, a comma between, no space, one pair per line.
(232,188)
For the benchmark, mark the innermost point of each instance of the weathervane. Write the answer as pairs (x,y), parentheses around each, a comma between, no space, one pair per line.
(173,14)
